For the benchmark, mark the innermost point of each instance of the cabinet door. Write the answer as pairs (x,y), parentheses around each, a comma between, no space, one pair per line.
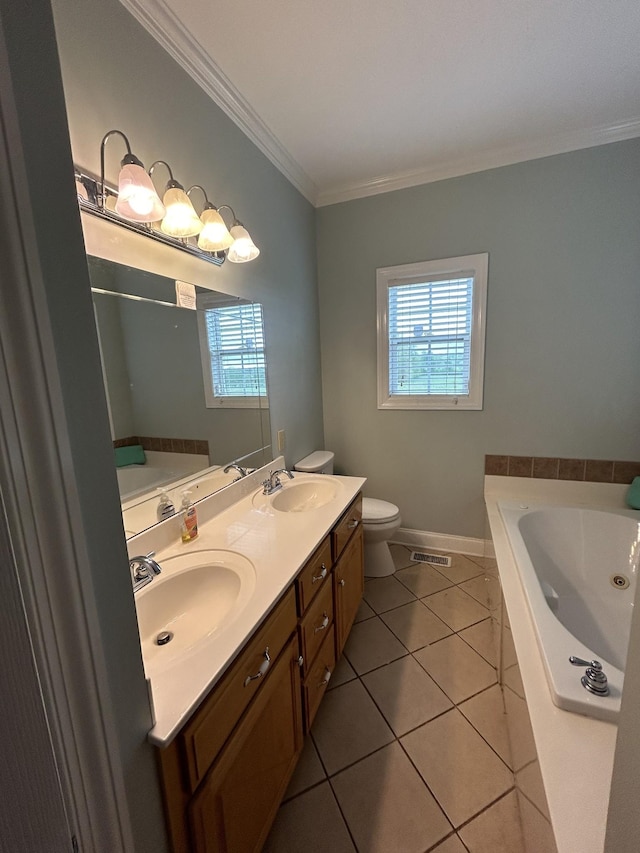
(238,800)
(348,579)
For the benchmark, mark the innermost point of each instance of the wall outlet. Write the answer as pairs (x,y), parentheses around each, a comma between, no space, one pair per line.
(282,439)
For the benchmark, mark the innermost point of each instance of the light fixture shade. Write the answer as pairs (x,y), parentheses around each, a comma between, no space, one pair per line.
(243,248)
(180,220)
(137,198)
(215,236)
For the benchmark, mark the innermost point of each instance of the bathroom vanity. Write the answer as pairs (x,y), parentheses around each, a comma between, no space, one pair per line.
(227,752)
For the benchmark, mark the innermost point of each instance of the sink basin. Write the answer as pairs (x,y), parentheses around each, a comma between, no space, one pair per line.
(305,495)
(198,594)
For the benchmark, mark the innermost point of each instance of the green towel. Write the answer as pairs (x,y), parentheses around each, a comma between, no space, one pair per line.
(633,495)
(132,455)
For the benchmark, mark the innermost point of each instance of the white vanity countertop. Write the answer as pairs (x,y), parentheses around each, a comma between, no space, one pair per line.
(277,543)
(575,752)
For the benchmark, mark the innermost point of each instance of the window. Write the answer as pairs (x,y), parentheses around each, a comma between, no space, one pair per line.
(232,346)
(431,319)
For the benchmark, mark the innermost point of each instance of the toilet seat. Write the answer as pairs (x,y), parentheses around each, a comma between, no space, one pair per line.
(375,511)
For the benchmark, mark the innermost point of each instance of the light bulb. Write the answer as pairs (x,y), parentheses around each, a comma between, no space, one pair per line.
(214,236)
(243,248)
(137,198)
(180,220)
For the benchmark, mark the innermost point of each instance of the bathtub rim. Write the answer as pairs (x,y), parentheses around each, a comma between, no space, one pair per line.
(575,752)
(555,641)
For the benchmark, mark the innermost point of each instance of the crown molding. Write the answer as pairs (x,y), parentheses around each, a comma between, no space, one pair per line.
(508,156)
(167,29)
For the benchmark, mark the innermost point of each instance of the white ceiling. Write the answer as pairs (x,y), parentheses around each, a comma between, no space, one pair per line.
(353,97)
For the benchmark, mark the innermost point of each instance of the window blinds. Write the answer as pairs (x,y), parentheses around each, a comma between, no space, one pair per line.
(430,336)
(236,347)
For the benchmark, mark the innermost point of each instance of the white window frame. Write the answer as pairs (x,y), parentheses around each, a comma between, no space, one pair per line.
(468,266)
(213,400)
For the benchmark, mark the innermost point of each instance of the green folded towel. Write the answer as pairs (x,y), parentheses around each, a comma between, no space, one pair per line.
(633,495)
(132,455)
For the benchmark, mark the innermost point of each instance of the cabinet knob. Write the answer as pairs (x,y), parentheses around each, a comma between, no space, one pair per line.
(264,666)
(300,661)
(353,523)
(323,625)
(321,576)
(341,581)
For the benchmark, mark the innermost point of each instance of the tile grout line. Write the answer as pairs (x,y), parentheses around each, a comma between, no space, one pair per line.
(397,738)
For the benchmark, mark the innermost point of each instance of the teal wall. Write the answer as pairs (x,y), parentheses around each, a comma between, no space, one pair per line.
(562,368)
(116,76)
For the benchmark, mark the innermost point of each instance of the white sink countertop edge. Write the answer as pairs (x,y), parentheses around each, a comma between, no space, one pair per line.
(277,543)
(575,752)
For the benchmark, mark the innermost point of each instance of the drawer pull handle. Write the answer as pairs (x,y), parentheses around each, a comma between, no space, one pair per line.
(321,576)
(327,676)
(264,666)
(353,523)
(341,581)
(324,624)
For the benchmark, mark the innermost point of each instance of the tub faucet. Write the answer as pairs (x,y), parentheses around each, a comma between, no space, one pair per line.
(272,483)
(242,471)
(143,570)
(594,680)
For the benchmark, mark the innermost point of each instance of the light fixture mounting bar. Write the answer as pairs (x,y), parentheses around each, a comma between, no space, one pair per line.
(91,204)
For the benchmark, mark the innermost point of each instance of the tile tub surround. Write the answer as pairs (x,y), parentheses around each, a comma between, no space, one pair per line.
(167,445)
(409,752)
(576,781)
(554,468)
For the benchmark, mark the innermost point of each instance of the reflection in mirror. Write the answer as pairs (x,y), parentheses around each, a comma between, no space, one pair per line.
(186,389)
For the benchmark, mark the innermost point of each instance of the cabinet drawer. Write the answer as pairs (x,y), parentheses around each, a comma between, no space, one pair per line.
(204,736)
(315,684)
(316,624)
(343,530)
(313,574)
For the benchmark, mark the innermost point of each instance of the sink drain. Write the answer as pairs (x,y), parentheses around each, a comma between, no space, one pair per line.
(619,581)
(164,637)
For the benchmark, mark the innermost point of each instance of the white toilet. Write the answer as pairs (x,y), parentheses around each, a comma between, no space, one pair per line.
(380,519)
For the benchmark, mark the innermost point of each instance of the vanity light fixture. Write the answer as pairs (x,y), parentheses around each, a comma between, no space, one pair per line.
(137,199)
(215,236)
(243,248)
(135,205)
(180,219)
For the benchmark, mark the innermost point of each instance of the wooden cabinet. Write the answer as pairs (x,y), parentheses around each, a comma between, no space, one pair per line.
(348,586)
(226,772)
(248,727)
(233,810)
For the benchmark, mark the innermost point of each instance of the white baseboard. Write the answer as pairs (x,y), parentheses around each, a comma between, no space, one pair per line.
(445,542)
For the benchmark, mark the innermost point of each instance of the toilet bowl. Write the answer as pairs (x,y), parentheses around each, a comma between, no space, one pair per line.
(380,519)
(380,522)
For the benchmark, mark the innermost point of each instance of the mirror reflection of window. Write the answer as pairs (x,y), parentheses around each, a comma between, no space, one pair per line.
(233,358)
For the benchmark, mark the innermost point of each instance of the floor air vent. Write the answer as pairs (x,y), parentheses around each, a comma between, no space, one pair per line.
(434,559)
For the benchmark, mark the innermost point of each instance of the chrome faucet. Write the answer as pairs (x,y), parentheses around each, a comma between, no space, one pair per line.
(242,471)
(272,483)
(143,570)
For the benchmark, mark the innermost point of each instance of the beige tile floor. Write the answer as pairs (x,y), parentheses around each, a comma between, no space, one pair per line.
(409,752)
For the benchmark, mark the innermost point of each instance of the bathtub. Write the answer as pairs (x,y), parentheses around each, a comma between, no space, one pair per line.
(578,568)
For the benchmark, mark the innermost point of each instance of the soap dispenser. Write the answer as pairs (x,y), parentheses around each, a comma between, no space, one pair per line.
(165,508)
(189,525)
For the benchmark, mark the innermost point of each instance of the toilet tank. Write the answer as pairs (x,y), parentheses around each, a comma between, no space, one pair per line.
(318,462)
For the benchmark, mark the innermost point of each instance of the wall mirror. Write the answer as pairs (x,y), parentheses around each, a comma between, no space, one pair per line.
(165,396)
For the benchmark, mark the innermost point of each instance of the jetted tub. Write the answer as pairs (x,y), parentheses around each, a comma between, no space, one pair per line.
(578,569)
